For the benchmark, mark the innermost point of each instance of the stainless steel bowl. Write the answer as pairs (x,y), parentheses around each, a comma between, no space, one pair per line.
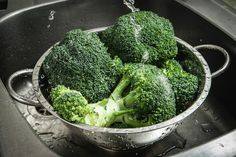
(125,139)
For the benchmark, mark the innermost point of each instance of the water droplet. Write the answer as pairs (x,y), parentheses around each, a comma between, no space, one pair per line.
(51,15)
(42,85)
(216,118)
(31,92)
(36,124)
(42,76)
(206,127)
(47,66)
(145,57)
(51,146)
(27,96)
(205,108)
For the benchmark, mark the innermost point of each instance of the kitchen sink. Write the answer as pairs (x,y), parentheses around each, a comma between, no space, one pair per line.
(26,34)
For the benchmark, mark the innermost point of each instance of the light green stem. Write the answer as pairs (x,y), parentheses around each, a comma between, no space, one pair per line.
(117,93)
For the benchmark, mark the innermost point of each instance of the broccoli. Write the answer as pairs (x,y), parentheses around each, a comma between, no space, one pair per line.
(81,62)
(148,99)
(185,85)
(141,37)
(190,63)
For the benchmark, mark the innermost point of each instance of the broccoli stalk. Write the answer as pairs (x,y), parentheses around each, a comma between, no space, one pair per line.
(150,100)
(72,106)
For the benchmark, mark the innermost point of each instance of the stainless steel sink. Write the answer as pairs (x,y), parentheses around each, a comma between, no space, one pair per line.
(27,34)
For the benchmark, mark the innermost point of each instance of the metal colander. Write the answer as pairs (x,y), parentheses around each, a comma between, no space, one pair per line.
(130,138)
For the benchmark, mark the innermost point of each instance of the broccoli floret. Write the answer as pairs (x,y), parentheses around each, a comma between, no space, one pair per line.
(190,63)
(66,103)
(149,100)
(81,62)
(150,94)
(73,107)
(141,37)
(185,85)
(106,37)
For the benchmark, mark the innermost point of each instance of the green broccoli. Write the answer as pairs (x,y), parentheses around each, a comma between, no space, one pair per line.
(141,37)
(190,62)
(81,62)
(149,99)
(185,85)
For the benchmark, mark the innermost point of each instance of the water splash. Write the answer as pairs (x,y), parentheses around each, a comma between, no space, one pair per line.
(205,108)
(207,127)
(51,15)
(130,5)
(137,29)
(137,35)
(145,57)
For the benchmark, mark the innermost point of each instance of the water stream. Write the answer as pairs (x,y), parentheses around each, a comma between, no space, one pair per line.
(51,17)
(130,5)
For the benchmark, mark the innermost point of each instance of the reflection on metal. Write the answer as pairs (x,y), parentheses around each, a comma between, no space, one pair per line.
(2,19)
(23,76)
(217,49)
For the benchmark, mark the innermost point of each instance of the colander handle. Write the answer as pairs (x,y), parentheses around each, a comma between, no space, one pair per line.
(219,49)
(15,95)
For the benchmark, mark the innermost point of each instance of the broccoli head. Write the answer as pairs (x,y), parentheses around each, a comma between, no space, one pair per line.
(73,107)
(185,85)
(70,104)
(150,94)
(148,99)
(141,37)
(81,62)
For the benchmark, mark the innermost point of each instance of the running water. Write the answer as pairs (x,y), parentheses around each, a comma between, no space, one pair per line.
(130,5)
(137,29)
(51,17)
(145,57)
(137,34)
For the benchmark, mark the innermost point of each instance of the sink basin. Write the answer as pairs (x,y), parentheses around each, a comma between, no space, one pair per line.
(27,34)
